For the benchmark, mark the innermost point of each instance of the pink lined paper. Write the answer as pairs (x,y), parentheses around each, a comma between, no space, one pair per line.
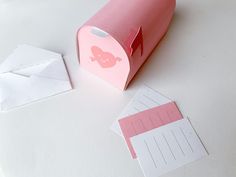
(147,120)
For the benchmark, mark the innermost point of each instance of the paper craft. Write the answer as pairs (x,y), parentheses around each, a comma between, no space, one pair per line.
(30,74)
(145,98)
(167,147)
(114,45)
(147,120)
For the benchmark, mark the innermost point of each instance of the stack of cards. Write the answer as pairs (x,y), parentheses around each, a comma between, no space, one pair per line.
(157,134)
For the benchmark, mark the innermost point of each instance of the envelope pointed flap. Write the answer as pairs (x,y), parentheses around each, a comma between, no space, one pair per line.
(17,90)
(30,71)
(12,87)
(55,70)
(26,56)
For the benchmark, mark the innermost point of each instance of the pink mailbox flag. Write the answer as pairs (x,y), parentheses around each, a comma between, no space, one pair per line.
(117,40)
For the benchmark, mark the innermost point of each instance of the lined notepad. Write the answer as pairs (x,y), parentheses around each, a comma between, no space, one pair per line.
(148,120)
(145,98)
(156,133)
(167,147)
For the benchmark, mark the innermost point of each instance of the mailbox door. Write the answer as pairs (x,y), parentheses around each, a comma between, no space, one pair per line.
(103,56)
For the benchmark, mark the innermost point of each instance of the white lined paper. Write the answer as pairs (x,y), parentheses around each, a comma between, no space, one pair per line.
(145,98)
(167,148)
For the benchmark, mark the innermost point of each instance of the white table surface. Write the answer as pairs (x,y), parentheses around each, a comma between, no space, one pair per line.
(69,136)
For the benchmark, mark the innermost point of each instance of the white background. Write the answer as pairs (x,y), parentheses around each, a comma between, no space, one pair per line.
(68,135)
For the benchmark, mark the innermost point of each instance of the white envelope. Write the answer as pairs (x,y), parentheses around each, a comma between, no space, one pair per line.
(30,74)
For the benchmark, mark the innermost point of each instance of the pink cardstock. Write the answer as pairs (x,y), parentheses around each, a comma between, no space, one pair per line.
(148,120)
(117,40)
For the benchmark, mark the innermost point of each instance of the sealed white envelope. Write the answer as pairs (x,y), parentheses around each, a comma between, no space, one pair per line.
(30,74)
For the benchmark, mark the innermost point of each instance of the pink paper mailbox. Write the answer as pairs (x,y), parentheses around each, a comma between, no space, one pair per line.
(117,40)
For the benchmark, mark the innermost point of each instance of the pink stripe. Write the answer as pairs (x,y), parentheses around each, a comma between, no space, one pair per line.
(148,120)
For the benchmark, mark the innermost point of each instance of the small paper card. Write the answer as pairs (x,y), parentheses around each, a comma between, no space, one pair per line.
(148,120)
(167,148)
(145,98)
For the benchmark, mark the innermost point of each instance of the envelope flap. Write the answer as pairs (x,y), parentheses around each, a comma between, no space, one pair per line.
(11,86)
(55,70)
(25,56)
(16,90)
